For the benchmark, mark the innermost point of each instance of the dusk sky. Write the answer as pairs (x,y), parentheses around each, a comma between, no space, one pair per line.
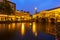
(29,5)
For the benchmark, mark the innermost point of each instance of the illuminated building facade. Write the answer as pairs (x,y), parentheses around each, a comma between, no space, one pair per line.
(23,14)
(4,17)
(51,13)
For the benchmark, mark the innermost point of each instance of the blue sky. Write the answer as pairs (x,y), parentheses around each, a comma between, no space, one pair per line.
(29,5)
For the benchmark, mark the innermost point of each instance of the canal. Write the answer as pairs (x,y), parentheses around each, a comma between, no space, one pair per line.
(27,31)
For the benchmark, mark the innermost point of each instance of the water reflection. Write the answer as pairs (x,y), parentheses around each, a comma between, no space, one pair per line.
(51,29)
(22,29)
(28,28)
(2,27)
(11,26)
(34,28)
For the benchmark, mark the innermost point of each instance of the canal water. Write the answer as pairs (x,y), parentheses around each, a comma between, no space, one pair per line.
(27,31)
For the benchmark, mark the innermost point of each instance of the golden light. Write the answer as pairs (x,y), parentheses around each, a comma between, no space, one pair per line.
(34,29)
(34,16)
(9,26)
(58,18)
(11,16)
(25,19)
(10,19)
(3,15)
(19,26)
(30,23)
(0,18)
(22,16)
(30,18)
(13,19)
(22,29)
(17,16)
(13,26)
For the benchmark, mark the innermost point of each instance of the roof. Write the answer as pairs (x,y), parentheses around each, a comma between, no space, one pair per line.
(53,8)
(11,2)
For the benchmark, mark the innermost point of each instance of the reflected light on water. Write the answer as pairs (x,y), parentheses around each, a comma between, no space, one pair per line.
(18,26)
(34,28)
(9,26)
(35,33)
(22,29)
(30,23)
(13,26)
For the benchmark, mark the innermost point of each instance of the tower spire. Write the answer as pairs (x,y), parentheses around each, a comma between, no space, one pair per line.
(35,10)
